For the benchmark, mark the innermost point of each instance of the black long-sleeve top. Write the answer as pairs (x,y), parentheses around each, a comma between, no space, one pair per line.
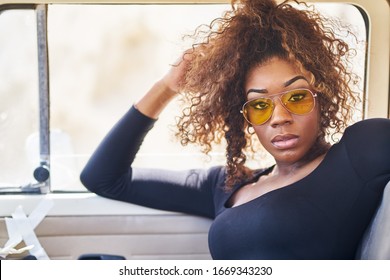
(322,216)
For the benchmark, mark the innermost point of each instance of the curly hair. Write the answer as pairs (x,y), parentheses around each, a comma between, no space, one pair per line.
(250,34)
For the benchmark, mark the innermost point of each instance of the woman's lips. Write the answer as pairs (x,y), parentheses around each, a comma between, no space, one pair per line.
(285,141)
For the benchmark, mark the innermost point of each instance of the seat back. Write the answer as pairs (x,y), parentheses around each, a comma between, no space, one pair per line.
(375,244)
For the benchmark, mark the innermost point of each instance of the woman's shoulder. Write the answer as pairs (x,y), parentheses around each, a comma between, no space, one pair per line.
(373,123)
(368,146)
(369,131)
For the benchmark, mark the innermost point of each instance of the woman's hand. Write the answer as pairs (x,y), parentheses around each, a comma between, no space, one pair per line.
(163,91)
(174,78)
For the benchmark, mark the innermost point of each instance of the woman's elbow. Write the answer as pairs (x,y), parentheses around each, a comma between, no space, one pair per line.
(87,178)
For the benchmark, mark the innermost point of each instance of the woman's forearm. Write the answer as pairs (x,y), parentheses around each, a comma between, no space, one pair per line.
(155,100)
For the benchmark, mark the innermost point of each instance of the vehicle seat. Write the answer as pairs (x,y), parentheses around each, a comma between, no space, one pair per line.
(375,244)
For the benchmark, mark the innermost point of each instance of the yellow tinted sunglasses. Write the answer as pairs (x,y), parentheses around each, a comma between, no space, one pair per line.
(298,101)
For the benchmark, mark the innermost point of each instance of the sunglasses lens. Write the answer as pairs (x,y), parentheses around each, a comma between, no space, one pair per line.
(258,111)
(299,101)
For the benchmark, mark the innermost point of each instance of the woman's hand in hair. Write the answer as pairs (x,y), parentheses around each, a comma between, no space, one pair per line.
(163,91)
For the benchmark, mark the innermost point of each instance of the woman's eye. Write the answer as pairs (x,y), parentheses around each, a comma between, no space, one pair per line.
(297,97)
(260,105)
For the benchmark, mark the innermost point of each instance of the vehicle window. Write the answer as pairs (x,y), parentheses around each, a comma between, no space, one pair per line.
(19,97)
(102,59)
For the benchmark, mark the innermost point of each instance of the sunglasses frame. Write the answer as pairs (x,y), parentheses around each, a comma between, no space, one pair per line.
(271,97)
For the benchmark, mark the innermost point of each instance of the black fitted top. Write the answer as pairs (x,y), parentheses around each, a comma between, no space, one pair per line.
(322,216)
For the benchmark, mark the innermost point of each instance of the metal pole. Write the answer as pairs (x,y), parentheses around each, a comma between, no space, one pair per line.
(44,98)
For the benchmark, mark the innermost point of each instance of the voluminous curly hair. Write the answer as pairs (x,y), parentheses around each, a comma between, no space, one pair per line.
(251,33)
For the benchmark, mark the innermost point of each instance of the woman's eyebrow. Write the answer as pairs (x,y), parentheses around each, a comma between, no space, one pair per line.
(256,90)
(285,84)
(291,81)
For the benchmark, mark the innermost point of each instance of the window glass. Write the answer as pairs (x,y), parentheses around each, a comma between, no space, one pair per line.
(18,97)
(102,61)
(103,58)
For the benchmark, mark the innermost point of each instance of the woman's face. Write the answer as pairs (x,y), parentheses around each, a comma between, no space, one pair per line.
(286,136)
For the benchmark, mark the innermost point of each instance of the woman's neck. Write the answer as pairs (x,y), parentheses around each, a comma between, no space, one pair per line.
(311,160)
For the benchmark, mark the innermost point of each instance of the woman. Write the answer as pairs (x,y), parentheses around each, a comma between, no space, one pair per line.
(278,74)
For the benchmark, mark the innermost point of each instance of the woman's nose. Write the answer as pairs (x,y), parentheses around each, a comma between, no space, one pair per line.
(280,115)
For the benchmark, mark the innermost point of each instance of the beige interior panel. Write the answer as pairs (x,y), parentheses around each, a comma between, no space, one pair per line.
(168,236)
